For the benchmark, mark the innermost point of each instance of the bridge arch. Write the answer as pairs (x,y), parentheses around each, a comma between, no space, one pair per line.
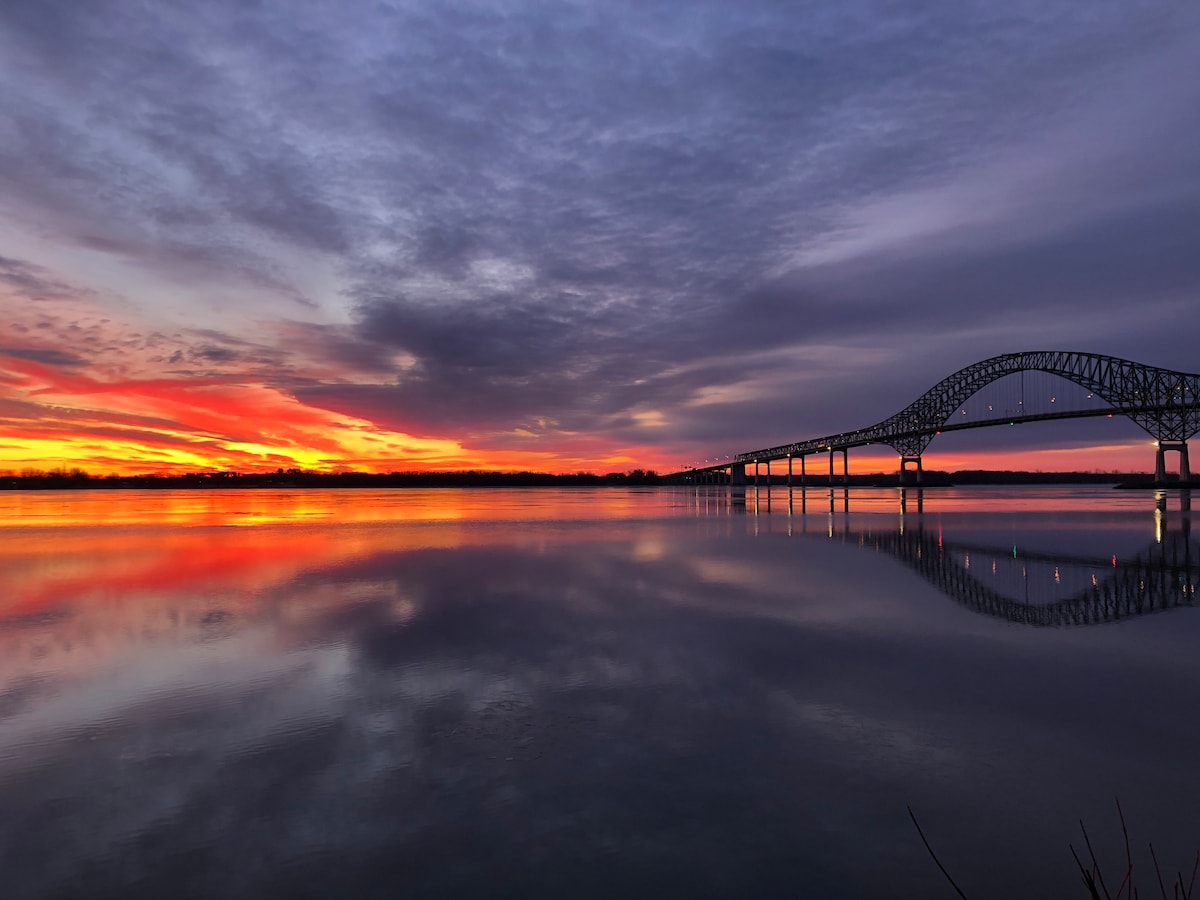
(1164,402)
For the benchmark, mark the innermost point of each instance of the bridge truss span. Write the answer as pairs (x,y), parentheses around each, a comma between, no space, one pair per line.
(1164,402)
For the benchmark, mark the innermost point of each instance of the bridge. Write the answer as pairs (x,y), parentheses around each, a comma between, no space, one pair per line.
(1163,402)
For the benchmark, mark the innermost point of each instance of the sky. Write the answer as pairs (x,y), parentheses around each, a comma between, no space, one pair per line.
(577,236)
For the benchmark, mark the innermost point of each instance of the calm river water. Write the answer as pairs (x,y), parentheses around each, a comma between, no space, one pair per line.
(593,693)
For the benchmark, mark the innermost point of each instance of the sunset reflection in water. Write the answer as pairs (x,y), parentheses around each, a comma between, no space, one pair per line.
(479,693)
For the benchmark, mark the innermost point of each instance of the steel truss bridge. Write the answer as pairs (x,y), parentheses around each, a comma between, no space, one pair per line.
(1164,402)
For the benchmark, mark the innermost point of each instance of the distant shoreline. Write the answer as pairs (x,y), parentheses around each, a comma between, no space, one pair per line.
(294,479)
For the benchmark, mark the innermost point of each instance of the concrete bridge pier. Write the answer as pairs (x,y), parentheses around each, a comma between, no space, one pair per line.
(904,461)
(737,475)
(1160,461)
(845,465)
(789,470)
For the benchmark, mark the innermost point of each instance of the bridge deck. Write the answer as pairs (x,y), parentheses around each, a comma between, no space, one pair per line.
(849,440)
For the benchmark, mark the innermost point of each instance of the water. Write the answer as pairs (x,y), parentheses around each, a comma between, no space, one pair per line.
(592,693)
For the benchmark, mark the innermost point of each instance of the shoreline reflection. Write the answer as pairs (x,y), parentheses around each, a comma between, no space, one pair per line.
(611,690)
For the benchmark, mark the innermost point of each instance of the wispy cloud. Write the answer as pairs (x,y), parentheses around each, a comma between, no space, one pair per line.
(513,223)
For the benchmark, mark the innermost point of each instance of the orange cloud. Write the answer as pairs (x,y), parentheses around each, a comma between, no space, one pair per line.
(173,425)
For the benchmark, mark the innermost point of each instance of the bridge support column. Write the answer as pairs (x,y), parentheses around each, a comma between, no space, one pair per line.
(904,461)
(737,475)
(768,474)
(756,473)
(845,465)
(1160,461)
(803,473)
(789,470)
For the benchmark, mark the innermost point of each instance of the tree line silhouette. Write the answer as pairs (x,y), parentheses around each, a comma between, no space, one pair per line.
(62,478)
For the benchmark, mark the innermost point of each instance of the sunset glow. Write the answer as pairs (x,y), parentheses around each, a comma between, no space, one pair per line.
(176,425)
(630,244)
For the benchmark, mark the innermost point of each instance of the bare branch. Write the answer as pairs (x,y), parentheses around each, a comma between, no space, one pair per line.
(913,816)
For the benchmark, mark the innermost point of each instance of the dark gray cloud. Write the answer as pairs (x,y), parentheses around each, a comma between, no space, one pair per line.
(560,219)
(46,355)
(33,281)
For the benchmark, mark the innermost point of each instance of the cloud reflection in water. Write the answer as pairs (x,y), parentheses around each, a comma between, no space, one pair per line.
(686,705)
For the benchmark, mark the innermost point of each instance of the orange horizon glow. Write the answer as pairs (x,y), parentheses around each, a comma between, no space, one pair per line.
(172,426)
(20,456)
(131,418)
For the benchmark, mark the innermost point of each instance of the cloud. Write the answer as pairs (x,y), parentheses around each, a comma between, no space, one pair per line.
(531,221)
(33,282)
(45,355)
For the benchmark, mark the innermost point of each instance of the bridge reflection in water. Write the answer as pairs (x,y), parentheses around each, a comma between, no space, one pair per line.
(1015,583)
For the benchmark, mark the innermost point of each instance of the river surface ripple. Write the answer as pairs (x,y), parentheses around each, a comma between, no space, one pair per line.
(593,693)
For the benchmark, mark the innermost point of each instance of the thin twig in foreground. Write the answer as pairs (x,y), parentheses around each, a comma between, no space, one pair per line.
(1089,880)
(1157,871)
(913,816)
(1095,864)
(1191,884)
(1128,879)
